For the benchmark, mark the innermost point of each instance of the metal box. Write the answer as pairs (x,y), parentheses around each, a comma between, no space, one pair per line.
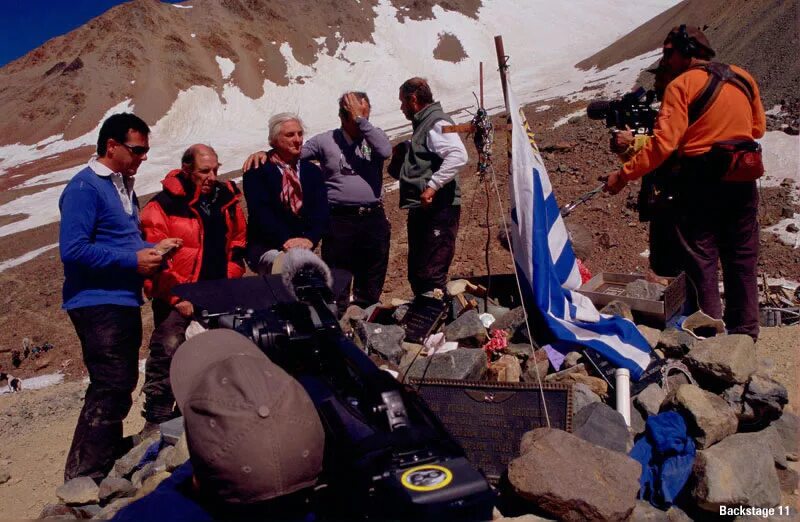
(608,286)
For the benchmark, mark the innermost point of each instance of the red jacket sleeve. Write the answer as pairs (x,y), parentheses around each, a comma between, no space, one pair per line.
(155,228)
(238,243)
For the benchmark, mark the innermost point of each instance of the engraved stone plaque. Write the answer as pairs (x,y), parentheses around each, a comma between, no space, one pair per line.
(489,419)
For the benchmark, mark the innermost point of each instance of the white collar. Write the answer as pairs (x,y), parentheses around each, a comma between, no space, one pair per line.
(100,169)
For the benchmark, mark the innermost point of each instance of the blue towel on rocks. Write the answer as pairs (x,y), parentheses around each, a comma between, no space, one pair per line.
(666,453)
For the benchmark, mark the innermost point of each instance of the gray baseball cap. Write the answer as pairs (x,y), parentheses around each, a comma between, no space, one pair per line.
(253,432)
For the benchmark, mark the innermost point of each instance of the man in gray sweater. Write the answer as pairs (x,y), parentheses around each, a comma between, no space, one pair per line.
(351,158)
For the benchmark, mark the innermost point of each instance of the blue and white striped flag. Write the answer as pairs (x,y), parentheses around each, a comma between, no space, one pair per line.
(547,267)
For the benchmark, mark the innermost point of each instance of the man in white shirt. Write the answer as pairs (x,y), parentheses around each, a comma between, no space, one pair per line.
(427,166)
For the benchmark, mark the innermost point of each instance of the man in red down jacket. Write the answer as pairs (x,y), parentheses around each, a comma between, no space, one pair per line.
(205,213)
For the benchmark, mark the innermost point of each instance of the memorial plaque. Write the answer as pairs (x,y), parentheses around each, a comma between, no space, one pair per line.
(423,317)
(489,419)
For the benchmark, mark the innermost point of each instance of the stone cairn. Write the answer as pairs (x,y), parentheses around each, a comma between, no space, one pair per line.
(746,444)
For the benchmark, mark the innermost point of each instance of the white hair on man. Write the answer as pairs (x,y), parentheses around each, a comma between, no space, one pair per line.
(279,119)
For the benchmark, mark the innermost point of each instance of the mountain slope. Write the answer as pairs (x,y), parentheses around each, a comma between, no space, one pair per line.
(759,35)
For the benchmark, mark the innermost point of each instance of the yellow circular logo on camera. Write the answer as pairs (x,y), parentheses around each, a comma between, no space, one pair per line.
(428,477)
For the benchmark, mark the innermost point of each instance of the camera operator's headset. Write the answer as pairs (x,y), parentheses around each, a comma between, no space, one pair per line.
(683,43)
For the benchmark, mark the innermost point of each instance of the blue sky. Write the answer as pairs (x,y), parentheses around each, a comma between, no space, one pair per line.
(27,24)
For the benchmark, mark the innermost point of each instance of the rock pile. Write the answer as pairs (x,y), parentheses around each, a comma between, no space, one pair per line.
(732,408)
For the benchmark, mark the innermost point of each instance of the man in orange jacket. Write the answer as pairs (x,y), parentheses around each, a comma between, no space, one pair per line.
(205,213)
(718,220)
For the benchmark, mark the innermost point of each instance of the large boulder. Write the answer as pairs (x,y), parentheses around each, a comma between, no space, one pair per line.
(675,343)
(125,465)
(735,472)
(571,479)
(708,416)
(115,487)
(467,330)
(724,360)
(600,424)
(466,364)
(536,367)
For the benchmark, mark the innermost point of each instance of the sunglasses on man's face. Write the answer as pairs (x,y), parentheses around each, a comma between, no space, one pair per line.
(136,150)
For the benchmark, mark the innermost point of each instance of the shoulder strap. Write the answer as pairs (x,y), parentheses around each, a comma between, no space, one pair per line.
(718,74)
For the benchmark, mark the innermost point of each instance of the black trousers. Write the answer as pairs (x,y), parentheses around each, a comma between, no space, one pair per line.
(168,335)
(666,254)
(431,245)
(720,226)
(110,337)
(360,245)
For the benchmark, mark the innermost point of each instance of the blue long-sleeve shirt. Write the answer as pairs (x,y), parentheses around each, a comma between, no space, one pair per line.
(98,241)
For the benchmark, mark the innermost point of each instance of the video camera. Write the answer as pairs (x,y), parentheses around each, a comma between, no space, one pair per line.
(387,456)
(634,110)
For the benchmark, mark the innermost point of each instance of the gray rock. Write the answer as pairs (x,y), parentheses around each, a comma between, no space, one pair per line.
(411,354)
(582,396)
(165,456)
(618,308)
(770,439)
(460,364)
(172,430)
(571,479)
(58,511)
(385,340)
(733,396)
(457,286)
(766,396)
(351,316)
(600,424)
(735,473)
(723,360)
(708,416)
(651,334)
(788,427)
(81,490)
(572,359)
(644,289)
(523,518)
(467,330)
(5,475)
(536,368)
(649,400)
(111,509)
(126,464)
(115,487)
(514,323)
(675,343)
(676,514)
(645,512)
(88,511)
(497,311)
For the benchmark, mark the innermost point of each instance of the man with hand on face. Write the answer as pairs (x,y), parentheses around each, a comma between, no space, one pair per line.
(205,214)
(351,158)
(286,198)
(105,262)
(427,167)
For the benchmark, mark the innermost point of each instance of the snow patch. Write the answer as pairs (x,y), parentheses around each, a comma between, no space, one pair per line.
(182,6)
(565,119)
(542,108)
(226,67)
(781,160)
(37,383)
(782,230)
(192,35)
(10,263)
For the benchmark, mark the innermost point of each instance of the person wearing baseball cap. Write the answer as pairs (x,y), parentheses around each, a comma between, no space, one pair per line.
(255,440)
(710,113)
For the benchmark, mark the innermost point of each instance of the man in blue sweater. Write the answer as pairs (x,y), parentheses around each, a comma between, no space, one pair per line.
(105,261)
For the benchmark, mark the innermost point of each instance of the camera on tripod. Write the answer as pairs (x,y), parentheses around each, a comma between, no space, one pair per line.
(386,453)
(634,111)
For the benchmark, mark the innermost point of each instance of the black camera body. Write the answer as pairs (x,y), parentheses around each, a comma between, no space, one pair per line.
(634,110)
(386,455)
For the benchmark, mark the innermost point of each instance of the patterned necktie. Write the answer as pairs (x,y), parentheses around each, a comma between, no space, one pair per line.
(291,190)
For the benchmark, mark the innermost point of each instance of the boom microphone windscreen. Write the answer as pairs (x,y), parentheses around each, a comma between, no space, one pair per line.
(301,266)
